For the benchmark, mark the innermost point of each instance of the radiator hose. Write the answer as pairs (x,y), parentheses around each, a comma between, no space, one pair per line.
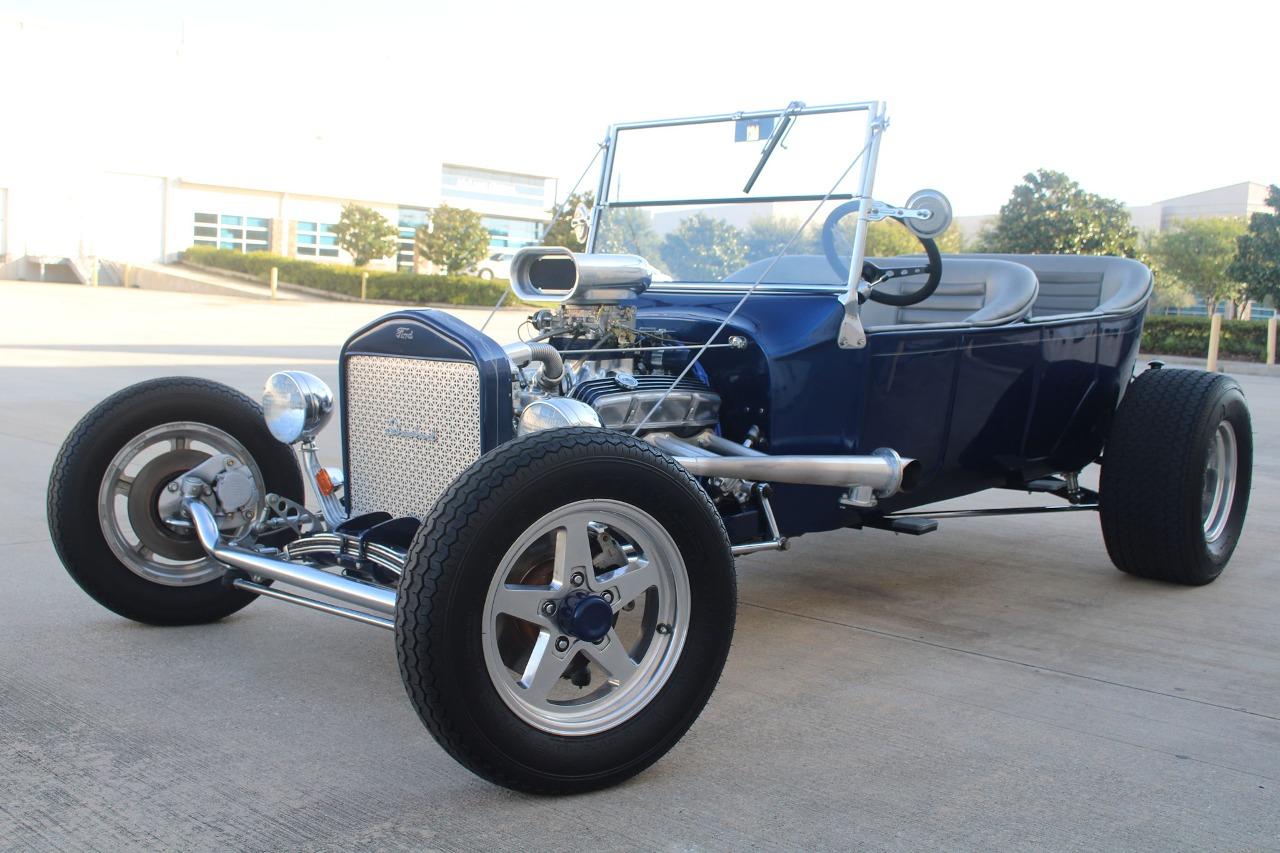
(543,353)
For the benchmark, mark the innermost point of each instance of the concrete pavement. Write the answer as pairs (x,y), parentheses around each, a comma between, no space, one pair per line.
(996,684)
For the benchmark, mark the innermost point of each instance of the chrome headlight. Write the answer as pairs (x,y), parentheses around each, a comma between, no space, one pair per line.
(296,405)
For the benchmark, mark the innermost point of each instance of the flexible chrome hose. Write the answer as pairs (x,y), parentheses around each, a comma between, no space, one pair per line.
(545,354)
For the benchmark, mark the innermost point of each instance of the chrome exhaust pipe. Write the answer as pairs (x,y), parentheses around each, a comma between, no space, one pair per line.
(376,598)
(883,470)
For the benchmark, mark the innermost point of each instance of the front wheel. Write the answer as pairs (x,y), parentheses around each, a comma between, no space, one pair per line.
(1176,476)
(566,611)
(116,474)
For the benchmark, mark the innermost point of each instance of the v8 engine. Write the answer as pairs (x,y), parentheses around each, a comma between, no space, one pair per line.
(587,363)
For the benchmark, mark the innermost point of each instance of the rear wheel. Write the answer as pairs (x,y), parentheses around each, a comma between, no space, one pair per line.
(113,479)
(566,611)
(1176,476)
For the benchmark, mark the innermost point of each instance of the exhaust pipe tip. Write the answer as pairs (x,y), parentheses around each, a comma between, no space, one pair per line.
(905,472)
(911,473)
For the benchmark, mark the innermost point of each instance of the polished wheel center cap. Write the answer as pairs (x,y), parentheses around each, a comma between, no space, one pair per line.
(586,616)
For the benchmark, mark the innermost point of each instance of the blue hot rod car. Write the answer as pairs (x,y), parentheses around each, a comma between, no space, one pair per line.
(550,526)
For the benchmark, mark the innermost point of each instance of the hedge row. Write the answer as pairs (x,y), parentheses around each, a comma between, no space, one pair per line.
(1241,339)
(335,278)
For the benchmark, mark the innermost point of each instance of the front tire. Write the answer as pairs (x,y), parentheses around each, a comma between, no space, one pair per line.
(103,490)
(566,611)
(1176,476)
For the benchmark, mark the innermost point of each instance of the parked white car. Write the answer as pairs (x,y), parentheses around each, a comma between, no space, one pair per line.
(497,265)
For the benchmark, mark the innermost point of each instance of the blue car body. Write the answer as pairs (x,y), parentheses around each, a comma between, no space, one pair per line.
(979,407)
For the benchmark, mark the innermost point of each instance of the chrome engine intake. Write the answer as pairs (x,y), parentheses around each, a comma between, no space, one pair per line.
(551,274)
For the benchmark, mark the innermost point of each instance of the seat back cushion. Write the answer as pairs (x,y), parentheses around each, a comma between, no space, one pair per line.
(973,292)
(1082,284)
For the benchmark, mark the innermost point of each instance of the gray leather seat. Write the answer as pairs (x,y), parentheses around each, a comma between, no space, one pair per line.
(973,292)
(1082,284)
(1061,286)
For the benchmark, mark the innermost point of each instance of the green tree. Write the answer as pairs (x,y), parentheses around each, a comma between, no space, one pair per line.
(767,236)
(952,242)
(1257,261)
(454,238)
(628,230)
(365,234)
(1196,255)
(1169,291)
(886,238)
(1049,213)
(703,248)
(561,231)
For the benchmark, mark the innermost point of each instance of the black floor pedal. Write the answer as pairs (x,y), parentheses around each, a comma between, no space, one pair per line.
(914,525)
(1046,484)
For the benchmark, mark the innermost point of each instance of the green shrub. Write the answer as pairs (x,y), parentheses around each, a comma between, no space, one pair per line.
(1241,339)
(335,278)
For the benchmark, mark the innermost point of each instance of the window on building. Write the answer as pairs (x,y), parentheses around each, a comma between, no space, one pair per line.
(316,240)
(410,219)
(511,233)
(480,185)
(229,231)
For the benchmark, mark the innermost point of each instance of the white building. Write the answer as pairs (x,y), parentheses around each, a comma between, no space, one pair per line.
(1240,200)
(131,144)
(128,218)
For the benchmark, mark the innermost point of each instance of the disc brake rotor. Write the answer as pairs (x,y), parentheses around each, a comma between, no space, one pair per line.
(144,514)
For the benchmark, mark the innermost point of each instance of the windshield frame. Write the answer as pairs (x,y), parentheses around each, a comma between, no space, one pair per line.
(876,122)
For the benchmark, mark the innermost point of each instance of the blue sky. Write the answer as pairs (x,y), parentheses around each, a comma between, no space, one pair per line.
(1137,102)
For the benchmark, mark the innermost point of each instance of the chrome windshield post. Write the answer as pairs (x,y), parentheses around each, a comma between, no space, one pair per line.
(602,188)
(852,334)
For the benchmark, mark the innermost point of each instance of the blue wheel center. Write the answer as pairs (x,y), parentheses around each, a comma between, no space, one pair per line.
(586,616)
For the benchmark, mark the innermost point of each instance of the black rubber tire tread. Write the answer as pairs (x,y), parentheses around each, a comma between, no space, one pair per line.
(82,462)
(452,691)
(1153,474)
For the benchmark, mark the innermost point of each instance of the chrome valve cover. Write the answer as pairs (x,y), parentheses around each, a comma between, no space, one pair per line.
(623,401)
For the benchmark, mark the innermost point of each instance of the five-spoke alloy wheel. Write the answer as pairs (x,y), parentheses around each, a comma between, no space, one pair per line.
(566,610)
(607,604)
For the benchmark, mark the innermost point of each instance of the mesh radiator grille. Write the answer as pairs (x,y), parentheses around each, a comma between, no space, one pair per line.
(412,425)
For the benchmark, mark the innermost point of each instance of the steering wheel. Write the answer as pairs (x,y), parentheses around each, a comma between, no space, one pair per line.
(874,273)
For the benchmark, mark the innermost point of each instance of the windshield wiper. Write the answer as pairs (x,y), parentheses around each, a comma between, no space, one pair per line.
(785,118)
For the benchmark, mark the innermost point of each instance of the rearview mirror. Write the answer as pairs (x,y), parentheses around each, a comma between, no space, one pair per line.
(940,213)
(580,223)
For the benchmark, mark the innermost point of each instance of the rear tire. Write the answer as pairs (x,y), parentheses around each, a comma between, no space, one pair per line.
(470,668)
(80,535)
(1176,476)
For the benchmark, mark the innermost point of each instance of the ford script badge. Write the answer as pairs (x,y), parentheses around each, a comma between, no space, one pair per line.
(394,430)
(404,333)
